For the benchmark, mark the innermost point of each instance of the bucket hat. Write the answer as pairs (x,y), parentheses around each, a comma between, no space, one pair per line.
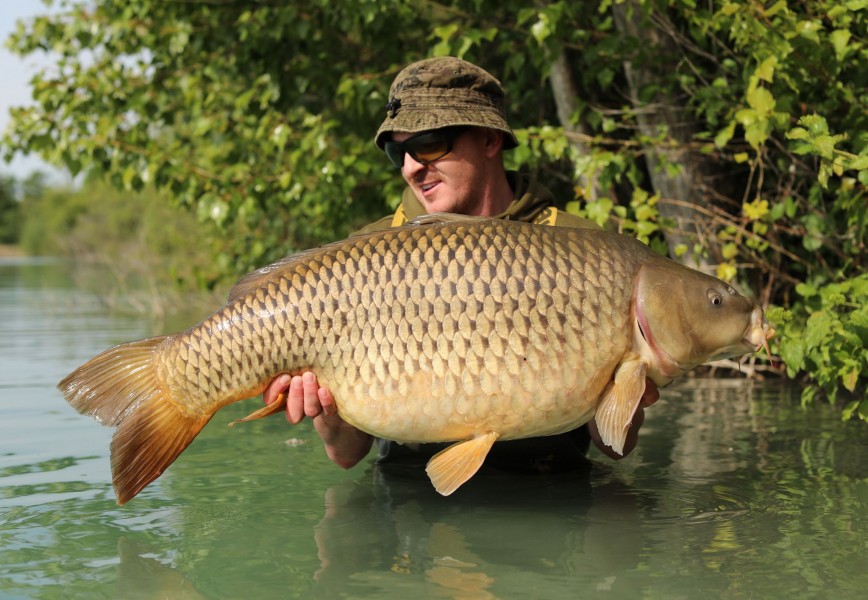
(444,92)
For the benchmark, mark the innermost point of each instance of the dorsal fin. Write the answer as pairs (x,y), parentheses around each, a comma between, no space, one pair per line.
(260,277)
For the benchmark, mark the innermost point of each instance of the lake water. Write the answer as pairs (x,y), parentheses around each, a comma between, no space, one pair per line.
(734,492)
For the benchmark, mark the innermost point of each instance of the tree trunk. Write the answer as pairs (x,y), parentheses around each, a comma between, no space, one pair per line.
(564,91)
(657,51)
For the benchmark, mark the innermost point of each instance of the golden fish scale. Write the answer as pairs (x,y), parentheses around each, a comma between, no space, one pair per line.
(428,333)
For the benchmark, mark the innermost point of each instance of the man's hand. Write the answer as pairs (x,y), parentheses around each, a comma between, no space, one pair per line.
(304,397)
(344,444)
(649,397)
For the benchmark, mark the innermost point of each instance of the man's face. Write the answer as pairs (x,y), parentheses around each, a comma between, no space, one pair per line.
(453,183)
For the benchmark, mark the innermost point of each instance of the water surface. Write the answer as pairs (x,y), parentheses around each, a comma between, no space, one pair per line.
(734,492)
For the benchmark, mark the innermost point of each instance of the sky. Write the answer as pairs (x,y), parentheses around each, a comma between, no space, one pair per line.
(15,75)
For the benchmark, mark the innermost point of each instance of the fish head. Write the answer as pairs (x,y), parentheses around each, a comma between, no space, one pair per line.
(684,318)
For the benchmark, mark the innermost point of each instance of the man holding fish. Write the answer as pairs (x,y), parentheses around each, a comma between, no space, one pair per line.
(445,128)
(453,328)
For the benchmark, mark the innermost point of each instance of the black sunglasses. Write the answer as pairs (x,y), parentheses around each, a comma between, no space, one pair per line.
(425,147)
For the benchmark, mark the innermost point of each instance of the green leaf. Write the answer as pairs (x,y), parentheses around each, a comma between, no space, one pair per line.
(825,145)
(840,38)
(761,100)
(849,377)
(806,290)
(645,228)
(645,212)
(541,29)
(820,324)
(730,8)
(756,209)
(726,271)
(766,70)
(808,29)
(757,133)
(746,116)
(729,251)
(816,124)
(798,133)
(724,135)
(599,211)
(775,8)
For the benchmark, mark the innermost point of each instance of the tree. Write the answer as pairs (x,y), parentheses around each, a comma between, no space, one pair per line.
(10,211)
(731,133)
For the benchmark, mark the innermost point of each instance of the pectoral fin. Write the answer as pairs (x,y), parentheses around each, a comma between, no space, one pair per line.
(619,403)
(266,411)
(450,468)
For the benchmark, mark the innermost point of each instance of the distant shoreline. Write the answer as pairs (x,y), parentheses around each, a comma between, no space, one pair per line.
(7,250)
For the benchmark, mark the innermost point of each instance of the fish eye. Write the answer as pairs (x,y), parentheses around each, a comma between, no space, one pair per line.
(715,298)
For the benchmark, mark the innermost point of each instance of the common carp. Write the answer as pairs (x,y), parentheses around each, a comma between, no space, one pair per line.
(451,328)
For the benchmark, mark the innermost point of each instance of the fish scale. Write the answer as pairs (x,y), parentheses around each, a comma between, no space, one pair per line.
(449,329)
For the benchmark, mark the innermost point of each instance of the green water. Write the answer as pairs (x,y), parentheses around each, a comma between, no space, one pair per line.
(733,492)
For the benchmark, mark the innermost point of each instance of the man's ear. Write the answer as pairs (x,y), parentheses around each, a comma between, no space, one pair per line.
(493,142)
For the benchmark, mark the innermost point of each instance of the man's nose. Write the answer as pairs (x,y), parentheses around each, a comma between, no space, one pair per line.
(412,167)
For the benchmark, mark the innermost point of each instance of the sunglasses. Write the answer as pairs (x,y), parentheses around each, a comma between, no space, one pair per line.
(425,147)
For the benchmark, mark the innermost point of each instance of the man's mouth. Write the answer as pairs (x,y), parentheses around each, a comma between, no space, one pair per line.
(427,187)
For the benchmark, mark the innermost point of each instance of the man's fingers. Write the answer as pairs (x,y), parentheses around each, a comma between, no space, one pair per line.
(327,401)
(312,407)
(275,388)
(304,397)
(295,401)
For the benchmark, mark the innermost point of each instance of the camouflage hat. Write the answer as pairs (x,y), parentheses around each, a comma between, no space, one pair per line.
(442,92)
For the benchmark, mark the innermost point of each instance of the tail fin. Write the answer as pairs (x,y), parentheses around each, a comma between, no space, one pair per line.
(120,388)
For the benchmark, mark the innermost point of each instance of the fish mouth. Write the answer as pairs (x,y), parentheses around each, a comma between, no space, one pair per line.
(759,333)
(739,349)
(756,338)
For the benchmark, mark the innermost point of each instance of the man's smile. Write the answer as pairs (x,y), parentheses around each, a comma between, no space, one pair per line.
(427,187)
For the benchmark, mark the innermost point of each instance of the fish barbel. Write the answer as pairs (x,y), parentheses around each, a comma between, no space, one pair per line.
(449,329)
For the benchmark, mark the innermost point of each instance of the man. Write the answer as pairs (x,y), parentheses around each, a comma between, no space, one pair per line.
(445,128)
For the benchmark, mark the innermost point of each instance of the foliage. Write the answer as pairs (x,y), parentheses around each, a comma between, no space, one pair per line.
(10,211)
(166,254)
(225,106)
(259,117)
(47,216)
(827,335)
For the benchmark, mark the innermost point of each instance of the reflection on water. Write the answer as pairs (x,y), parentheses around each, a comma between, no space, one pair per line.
(734,491)
(496,537)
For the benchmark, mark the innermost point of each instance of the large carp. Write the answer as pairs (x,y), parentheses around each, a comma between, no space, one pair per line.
(448,329)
